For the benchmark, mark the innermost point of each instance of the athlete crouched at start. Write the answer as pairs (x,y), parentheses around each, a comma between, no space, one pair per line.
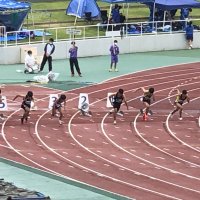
(180,98)
(26,104)
(116,100)
(57,106)
(148,96)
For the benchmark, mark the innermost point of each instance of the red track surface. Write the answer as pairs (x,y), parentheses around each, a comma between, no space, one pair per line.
(157,159)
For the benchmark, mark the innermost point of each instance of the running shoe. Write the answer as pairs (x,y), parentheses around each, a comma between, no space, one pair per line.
(145,117)
(180,118)
(114,122)
(120,113)
(150,112)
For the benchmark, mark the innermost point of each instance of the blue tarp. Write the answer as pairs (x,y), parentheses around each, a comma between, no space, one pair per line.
(78,8)
(13,5)
(175,4)
(13,13)
(127,1)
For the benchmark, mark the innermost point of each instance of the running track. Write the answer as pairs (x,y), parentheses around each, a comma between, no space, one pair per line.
(155,160)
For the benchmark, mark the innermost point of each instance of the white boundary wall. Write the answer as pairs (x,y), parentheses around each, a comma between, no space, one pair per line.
(97,47)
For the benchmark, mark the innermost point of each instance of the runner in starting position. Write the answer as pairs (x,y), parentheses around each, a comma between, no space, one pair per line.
(58,106)
(26,104)
(116,101)
(180,98)
(146,99)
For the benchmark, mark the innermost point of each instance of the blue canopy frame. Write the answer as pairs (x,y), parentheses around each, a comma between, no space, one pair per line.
(13,13)
(174,4)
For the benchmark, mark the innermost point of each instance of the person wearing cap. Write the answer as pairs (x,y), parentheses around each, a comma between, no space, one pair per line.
(73,60)
(48,51)
(114,51)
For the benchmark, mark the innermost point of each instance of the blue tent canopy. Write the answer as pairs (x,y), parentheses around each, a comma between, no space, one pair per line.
(127,1)
(13,13)
(78,8)
(175,4)
(13,5)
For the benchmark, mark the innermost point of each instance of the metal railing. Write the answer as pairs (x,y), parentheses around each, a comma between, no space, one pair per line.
(98,31)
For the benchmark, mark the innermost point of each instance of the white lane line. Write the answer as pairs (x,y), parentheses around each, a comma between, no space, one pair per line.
(173,134)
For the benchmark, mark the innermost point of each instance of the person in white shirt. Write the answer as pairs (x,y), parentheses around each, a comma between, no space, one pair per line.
(31,66)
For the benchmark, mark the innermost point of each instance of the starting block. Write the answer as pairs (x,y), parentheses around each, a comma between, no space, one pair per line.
(3,104)
(109,103)
(83,103)
(52,99)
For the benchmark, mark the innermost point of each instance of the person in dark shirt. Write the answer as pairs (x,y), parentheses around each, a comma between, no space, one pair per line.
(26,104)
(115,13)
(116,100)
(189,34)
(58,106)
(148,95)
(48,51)
(73,59)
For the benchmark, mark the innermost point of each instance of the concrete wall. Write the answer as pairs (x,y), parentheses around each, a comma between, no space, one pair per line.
(96,47)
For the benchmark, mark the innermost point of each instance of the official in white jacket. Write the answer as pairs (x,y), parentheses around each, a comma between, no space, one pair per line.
(31,65)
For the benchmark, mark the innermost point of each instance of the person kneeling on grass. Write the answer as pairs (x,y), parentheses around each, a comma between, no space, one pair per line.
(31,66)
(58,106)
(116,100)
(180,98)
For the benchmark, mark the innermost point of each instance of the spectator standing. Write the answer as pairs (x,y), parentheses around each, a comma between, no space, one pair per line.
(184,15)
(1,101)
(73,59)
(189,34)
(115,13)
(48,51)
(114,51)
